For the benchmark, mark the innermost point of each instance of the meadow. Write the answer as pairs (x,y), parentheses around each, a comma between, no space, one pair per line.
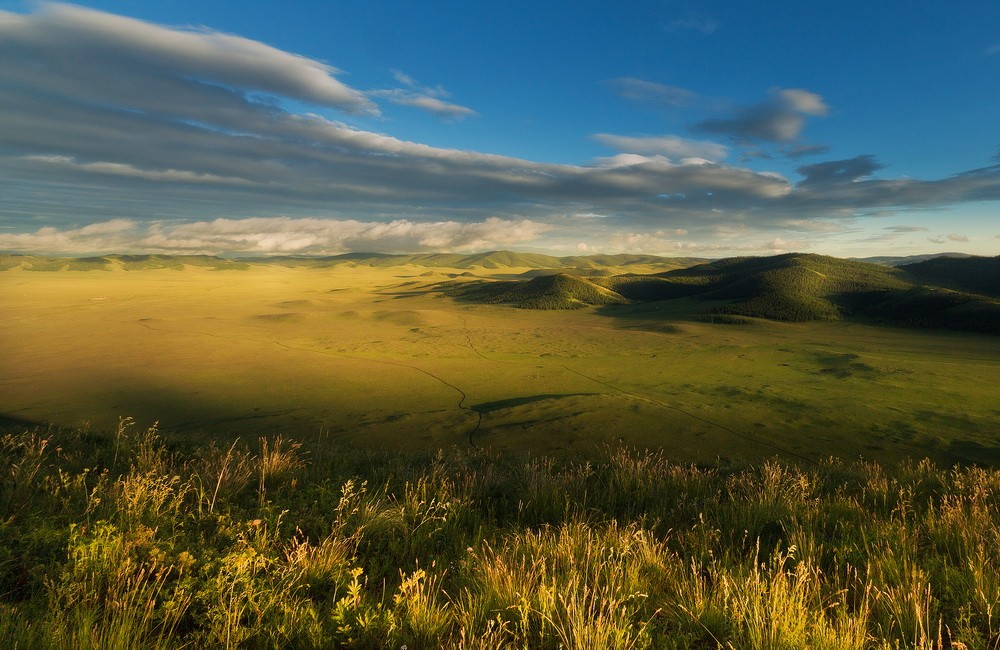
(271,456)
(136,540)
(390,357)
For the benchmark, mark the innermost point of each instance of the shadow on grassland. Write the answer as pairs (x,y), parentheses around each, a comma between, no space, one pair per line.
(514,402)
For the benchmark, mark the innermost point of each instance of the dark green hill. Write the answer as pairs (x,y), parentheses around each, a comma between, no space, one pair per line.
(936,307)
(801,287)
(898,260)
(791,287)
(560,291)
(970,274)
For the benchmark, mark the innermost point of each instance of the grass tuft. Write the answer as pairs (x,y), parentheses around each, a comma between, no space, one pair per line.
(114,542)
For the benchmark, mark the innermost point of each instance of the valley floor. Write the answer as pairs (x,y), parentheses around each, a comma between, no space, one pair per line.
(385,357)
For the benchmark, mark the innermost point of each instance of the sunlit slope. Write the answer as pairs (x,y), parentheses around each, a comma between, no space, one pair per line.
(560,291)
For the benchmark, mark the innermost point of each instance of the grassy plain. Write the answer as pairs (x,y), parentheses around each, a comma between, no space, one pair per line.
(120,541)
(386,357)
(334,521)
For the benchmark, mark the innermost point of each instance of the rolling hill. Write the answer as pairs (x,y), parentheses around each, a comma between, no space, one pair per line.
(900,260)
(559,291)
(492,260)
(122,262)
(970,274)
(955,293)
(944,291)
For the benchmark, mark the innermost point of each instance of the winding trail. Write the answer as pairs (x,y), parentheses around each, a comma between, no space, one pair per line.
(462,395)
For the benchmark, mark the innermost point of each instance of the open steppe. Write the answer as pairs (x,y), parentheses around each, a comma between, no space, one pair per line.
(370,455)
(391,357)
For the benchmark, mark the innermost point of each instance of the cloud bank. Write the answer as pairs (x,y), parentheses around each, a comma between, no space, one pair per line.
(114,127)
(276,236)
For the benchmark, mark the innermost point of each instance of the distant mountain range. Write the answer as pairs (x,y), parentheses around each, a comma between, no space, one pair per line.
(957,293)
(951,290)
(493,260)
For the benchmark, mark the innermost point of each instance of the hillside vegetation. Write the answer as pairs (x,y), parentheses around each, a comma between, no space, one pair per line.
(899,260)
(559,291)
(957,293)
(132,541)
(973,275)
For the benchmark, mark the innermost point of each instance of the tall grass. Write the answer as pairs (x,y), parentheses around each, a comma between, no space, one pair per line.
(136,540)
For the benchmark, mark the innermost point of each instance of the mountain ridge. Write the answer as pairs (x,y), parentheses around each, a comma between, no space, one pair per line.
(490,260)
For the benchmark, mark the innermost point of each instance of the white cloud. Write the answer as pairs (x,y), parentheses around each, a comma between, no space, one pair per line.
(120,169)
(649,244)
(802,101)
(403,78)
(104,117)
(779,118)
(433,105)
(277,236)
(630,160)
(957,237)
(424,97)
(653,93)
(113,235)
(813,225)
(779,245)
(661,243)
(80,37)
(905,229)
(670,146)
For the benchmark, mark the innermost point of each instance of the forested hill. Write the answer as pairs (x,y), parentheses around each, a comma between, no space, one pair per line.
(957,293)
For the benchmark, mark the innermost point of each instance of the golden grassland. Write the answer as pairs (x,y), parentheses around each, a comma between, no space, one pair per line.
(131,540)
(386,357)
(352,457)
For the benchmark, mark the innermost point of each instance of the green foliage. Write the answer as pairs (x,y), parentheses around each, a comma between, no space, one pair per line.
(285,544)
(793,287)
(559,291)
(972,274)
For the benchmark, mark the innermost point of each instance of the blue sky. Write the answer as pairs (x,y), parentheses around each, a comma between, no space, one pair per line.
(677,128)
